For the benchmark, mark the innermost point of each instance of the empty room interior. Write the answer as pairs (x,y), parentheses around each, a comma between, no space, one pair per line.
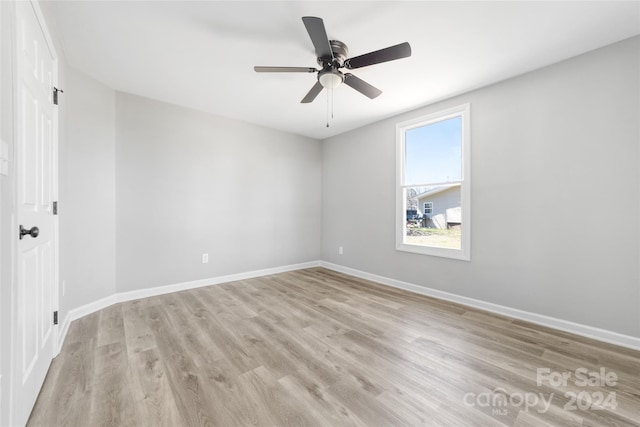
(319,213)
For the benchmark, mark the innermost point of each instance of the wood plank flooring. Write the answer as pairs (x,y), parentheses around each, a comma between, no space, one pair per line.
(319,348)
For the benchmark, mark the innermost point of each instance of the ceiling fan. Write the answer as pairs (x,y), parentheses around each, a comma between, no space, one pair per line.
(332,56)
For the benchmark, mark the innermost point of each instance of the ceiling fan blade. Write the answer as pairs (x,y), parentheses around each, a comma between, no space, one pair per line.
(315,90)
(318,35)
(361,86)
(259,69)
(402,50)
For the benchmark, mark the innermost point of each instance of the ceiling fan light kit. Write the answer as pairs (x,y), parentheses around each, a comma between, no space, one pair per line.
(330,79)
(332,55)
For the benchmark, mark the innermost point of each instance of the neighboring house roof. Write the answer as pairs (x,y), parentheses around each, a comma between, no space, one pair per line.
(435,190)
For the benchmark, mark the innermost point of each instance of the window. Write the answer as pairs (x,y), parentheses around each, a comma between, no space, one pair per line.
(428,208)
(433,174)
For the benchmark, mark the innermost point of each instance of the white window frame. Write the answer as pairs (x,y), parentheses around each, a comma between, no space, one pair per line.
(424,207)
(464,253)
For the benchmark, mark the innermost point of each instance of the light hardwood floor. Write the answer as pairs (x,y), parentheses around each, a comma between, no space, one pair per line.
(318,348)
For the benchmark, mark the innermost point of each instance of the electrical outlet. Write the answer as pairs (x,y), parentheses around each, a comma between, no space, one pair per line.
(340,250)
(205,258)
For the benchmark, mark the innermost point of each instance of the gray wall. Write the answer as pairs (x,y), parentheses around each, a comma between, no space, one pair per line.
(547,148)
(189,183)
(87,190)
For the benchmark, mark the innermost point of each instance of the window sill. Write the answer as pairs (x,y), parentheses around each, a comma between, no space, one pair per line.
(458,254)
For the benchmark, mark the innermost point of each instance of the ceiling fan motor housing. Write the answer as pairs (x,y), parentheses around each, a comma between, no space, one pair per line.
(340,54)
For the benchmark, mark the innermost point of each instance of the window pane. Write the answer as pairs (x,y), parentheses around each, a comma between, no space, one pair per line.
(433,152)
(435,224)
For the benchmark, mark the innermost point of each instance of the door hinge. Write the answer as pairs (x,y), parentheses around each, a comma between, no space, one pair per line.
(55,317)
(55,208)
(55,95)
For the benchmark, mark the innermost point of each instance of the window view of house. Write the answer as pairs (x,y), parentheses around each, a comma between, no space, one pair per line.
(431,154)
(438,223)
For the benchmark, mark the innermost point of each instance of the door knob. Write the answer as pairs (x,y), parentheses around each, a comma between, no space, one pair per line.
(33,232)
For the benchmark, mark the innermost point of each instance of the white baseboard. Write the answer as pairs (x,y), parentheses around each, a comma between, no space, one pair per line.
(92,307)
(160,290)
(82,311)
(62,333)
(540,319)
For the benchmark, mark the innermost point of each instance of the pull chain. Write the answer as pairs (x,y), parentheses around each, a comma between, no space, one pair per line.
(328,90)
(329,95)
(331,104)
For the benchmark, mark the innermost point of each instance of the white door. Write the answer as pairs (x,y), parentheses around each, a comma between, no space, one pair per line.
(36,296)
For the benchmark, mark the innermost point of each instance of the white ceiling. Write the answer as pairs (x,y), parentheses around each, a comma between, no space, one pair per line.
(201,54)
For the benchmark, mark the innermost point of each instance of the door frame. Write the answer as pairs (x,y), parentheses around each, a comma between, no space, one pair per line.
(14,220)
